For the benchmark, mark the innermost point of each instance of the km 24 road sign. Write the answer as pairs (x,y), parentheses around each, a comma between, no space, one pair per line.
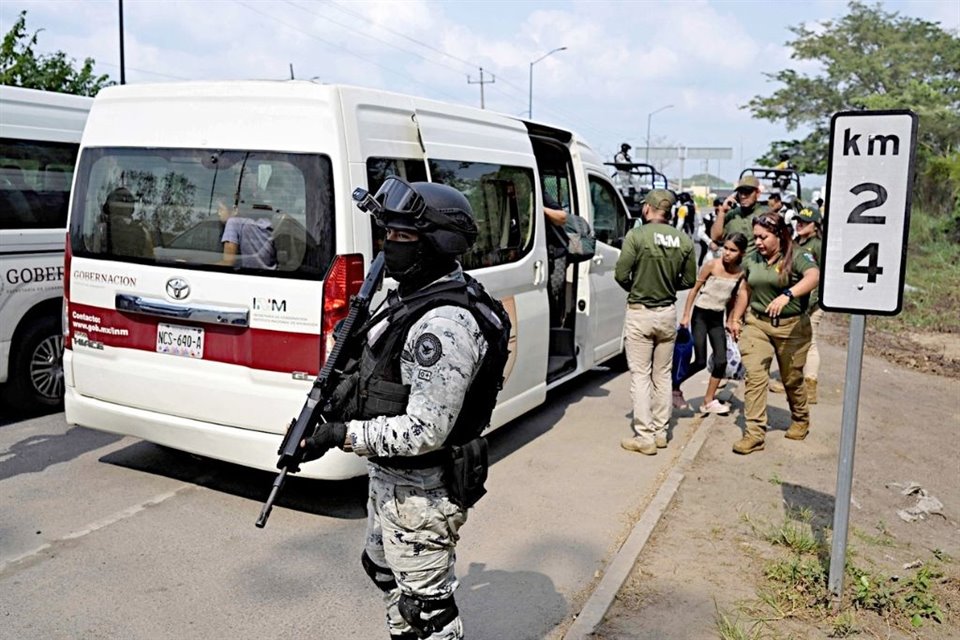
(869,189)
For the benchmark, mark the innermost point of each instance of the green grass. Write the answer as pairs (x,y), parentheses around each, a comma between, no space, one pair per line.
(794,588)
(933,267)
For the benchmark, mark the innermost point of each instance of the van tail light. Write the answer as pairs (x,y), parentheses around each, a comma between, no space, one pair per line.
(67,258)
(343,281)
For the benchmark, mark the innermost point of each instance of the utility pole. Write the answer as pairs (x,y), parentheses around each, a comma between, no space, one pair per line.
(482,82)
(123,73)
(291,71)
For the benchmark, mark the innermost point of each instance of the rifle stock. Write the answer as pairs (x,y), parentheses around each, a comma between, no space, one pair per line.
(290,452)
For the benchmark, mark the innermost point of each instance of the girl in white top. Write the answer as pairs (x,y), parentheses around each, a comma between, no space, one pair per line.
(706,304)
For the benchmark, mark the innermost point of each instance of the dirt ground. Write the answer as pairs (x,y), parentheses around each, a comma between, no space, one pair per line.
(709,553)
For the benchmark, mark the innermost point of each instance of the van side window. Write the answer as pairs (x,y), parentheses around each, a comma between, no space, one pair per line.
(35,181)
(502,198)
(609,215)
(269,213)
(378,170)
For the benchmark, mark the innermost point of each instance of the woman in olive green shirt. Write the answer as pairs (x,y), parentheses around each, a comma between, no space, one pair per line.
(770,320)
(808,240)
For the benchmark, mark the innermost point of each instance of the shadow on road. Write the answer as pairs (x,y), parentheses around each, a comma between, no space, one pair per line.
(520,600)
(521,431)
(36,453)
(342,498)
(337,499)
(10,414)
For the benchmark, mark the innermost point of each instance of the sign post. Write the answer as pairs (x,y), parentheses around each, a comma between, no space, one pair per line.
(868,193)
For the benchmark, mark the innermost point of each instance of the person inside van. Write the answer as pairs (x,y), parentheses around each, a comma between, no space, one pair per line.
(557,241)
(247,241)
(126,236)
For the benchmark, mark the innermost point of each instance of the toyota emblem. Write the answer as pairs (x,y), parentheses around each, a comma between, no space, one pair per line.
(178,289)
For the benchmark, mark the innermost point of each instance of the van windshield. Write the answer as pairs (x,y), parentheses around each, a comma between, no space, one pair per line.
(250,211)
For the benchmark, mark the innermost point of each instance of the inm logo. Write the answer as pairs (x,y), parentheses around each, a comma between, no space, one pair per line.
(665,240)
(270,304)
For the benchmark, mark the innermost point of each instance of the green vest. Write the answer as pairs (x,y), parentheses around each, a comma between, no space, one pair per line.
(740,220)
(765,284)
(813,248)
(655,262)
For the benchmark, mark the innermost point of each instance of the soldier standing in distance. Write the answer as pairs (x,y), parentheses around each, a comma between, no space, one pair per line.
(426,384)
(656,261)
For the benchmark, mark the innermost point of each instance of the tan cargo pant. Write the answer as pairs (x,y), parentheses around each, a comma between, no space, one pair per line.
(649,335)
(812,368)
(759,342)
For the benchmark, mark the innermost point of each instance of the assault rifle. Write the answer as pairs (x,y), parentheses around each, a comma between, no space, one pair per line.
(290,452)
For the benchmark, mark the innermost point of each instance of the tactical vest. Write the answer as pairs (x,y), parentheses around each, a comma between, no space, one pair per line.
(380,391)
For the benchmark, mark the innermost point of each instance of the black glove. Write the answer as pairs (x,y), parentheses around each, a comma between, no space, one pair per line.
(326,436)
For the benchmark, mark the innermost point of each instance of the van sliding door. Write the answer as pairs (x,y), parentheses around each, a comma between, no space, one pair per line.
(490,160)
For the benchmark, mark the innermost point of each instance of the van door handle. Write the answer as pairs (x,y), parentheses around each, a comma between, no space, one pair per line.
(537,272)
(205,314)
(597,259)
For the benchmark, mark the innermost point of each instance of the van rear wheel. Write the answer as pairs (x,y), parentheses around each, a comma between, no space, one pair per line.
(36,368)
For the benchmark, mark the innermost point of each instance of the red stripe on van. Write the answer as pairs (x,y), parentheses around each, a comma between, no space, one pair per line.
(263,349)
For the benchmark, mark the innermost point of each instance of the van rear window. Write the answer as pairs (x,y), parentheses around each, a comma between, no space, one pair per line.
(264,212)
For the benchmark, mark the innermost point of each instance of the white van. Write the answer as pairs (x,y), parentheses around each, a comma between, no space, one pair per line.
(39,139)
(173,341)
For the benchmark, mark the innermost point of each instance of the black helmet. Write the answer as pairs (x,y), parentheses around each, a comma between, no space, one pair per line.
(440,214)
(625,147)
(450,227)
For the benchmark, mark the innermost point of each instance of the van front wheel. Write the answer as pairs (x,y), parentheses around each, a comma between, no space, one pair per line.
(36,367)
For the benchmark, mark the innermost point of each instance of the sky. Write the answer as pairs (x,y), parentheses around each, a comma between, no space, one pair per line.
(622,61)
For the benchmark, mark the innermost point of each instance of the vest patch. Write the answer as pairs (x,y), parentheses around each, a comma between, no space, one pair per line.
(427,350)
(665,240)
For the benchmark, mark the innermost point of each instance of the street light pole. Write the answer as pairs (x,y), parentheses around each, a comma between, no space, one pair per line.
(649,116)
(549,53)
(123,67)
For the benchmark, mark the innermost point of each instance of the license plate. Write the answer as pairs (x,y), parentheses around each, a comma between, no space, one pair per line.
(179,340)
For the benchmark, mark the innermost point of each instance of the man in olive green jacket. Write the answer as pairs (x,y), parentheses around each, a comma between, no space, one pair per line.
(655,262)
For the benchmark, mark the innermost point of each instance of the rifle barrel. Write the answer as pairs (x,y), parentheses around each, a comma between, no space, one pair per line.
(274,492)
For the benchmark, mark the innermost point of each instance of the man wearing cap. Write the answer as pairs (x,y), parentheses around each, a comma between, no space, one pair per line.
(737,211)
(655,262)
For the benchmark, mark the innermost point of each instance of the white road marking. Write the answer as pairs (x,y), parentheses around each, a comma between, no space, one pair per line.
(97,525)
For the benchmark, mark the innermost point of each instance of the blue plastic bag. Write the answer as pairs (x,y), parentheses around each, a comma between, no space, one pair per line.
(682,354)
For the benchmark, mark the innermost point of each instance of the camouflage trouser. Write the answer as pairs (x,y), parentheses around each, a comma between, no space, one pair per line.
(414,532)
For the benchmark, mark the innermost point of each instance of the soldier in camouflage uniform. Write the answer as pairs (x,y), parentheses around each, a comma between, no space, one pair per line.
(417,376)
(656,260)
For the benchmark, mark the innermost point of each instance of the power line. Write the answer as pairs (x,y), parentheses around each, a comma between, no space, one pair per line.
(153,73)
(339,47)
(570,118)
(367,35)
(337,5)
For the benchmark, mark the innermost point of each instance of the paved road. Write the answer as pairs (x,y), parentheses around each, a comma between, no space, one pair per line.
(109,537)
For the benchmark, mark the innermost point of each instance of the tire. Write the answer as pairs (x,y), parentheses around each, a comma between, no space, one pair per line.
(36,367)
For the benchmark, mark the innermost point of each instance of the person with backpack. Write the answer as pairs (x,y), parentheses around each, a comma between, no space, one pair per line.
(429,366)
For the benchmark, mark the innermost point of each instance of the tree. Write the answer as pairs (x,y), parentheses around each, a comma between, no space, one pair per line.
(869,59)
(21,66)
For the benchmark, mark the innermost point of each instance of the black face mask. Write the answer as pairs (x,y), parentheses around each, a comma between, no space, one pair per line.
(402,259)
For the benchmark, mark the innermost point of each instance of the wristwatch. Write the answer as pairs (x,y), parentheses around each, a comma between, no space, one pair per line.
(788,293)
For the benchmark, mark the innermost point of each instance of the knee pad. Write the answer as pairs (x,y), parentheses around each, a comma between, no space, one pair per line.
(381,576)
(412,610)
